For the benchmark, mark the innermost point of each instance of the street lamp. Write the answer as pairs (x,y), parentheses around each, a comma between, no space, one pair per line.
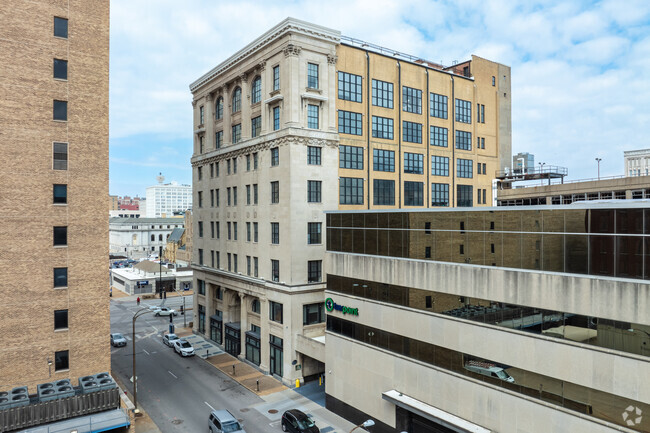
(598,161)
(541,170)
(368,423)
(137,314)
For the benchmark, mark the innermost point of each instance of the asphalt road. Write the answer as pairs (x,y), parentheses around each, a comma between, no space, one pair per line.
(177,393)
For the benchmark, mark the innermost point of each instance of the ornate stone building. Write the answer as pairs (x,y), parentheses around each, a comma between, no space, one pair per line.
(303,120)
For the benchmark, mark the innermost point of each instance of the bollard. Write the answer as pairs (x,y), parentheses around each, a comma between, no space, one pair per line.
(320,380)
(233,369)
(297,383)
(258,385)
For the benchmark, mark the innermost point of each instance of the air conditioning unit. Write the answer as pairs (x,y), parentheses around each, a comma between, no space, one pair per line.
(88,384)
(55,390)
(17,397)
(105,381)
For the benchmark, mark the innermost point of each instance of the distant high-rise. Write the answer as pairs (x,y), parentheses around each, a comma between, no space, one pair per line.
(637,162)
(54,303)
(166,198)
(523,162)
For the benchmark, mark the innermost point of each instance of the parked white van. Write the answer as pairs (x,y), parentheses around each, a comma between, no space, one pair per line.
(488,369)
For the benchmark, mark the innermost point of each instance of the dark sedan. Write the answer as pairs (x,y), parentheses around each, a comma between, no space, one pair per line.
(298,422)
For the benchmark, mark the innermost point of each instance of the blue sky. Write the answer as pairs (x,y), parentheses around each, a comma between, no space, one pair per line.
(580,87)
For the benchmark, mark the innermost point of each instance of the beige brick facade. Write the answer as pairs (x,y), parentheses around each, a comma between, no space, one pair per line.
(28,298)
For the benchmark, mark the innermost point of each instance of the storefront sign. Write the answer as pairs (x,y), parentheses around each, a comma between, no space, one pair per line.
(330,305)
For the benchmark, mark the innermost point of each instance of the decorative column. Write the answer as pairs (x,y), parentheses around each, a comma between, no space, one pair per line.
(227,114)
(245,107)
(209,121)
(330,118)
(293,84)
(195,123)
(265,352)
(266,86)
(209,306)
(243,324)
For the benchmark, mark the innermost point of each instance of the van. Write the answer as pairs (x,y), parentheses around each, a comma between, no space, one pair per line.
(222,421)
(489,369)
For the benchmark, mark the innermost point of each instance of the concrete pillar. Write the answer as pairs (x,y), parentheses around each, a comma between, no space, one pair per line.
(243,323)
(208,114)
(264,335)
(209,306)
(227,114)
(245,106)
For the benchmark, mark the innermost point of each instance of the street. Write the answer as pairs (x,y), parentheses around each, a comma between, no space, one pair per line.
(177,393)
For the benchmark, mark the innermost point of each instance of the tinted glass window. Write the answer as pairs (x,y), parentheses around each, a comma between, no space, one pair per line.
(60,110)
(60,27)
(61,69)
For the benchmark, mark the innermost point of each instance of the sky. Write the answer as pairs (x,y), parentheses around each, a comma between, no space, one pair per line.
(580,80)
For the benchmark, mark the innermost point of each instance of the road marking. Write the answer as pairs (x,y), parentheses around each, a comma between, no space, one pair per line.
(175,377)
(145,351)
(127,337)
(209,405)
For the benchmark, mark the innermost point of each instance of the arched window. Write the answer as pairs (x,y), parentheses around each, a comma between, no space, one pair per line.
(236,100)
(160,237)
(255,306)
(256,91)
(153,238)
(218,108)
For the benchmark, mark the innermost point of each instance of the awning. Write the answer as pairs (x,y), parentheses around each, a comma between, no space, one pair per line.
(432,413)
(95,423)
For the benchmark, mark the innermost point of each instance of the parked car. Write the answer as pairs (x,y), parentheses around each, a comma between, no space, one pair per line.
(169,339)
(297,421)
(118,340)
(223,421)
(164,311)
(183,347)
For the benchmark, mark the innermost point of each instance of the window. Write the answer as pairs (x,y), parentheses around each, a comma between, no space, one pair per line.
(275,192)
(201,115)
(439,194)
(412,132)
(256,127)
(463,140)
(229,230)
(413,193)
(255,232)
(463,111)
(275,233)
(61,360)
(383,192)
(248,232)
(314,271)
(312,116)
(413,163)
(350,123)
(200,198)
(255,194)
(313,155)
(234,230)
(313,314)
(60,110)
(60,156)
(216,194)
(482,142)
(256,90)
(235,262)
(199,172)
(61,319)
(480,113)
(275,271)
(314,233)
(427,254)
(254,160)
(464,196)
(275,309)
(201,285)
(493,80)
(59,194)
(275,156)
(200,256)
(200,229)
(350,190)
(218,108)
(438,105)
(411,100)
(218,141)
(314,191)
(439,136)
(61,27)
(212,230)
(61,69)
(60,277)
(312,75)
(439,166)
(276,118)
(383,160)
(276,78)
(229,261)
(464,168)
(382,94)
(382,127)
(211,198)
(236,133)
(350,87)
(201,143)
(248,194)
(218,230)
(236,100)
(60,236)
(351,157)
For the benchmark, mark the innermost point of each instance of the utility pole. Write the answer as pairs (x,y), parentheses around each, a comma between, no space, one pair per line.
(135,379)
(598,161)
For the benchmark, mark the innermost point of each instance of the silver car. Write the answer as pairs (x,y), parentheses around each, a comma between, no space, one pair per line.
(164,311)
(183,347)
(169,339)
(118,340)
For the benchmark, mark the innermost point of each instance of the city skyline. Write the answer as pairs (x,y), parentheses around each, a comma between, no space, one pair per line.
(574,88)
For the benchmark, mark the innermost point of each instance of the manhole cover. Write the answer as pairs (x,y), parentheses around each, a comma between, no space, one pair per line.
(177,421)
(244,410)
(273,411)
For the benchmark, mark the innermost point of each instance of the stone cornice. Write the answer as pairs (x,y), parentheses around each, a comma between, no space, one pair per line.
(285,140)
(289,25)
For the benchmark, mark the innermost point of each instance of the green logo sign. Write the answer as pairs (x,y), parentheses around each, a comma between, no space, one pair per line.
(330,305)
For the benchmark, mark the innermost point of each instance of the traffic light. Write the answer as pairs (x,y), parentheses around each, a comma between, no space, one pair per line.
(171,318)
